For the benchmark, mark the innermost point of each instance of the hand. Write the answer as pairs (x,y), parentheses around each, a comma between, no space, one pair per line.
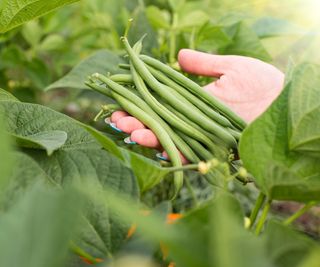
(247,85)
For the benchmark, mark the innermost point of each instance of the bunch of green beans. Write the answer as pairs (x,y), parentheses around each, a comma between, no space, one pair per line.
(180,113)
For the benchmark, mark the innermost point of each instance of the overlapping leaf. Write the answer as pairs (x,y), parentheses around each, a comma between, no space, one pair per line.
(281,172)
(14,13)
(103,61)
(304,109)
(39,227)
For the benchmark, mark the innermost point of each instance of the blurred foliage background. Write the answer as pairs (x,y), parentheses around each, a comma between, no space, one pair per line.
(40,52)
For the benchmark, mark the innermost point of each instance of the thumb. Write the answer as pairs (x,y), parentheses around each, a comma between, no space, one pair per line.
(203,63)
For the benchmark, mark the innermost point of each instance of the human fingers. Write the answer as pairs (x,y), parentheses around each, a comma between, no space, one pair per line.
(204,64)
(128,124)
(118,115)
(145,137)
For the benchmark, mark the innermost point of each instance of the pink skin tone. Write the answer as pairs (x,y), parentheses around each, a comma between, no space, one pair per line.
(247,85)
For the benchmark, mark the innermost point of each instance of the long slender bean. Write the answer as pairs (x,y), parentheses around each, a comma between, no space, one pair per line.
(160,132)
(99,88)
(194,125)
(155,85)
(203,153)
(214,177)
(122,78)
(191,97)
(195,89)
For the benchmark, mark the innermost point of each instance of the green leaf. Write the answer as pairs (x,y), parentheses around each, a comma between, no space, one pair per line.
(25,119)
(38,73)
(176,4)
(52,42)
(31,119)
(102,61)
(192,19)
(5,96)
(244,42)
(32,33)
(207,233)
(6,161)
(158,18)
(304,109)
(211,38)
(148,172)
(47,140)
(269,27)
(286,247)
(25,174)
(312,260)
(44,220)
(18,12)
(79,161)
(280,173)
(98,168)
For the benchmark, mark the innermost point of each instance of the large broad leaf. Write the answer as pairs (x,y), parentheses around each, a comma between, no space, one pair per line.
(245,42)
(286,247)
(6,157)
(5,95)
(280,173)
(304,109)
(211,37)
(47,140)
(15,13)
(101,234)
(78,161)
(102,61)
(37,230)
(81,160)
(30,119)
(208,234)
(25,174)
(159,19)
(148,172)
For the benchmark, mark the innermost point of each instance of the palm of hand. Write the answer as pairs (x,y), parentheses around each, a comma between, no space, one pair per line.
(247,85)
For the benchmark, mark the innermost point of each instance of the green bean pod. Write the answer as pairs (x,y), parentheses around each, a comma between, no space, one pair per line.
(194,125)
(195,89)
(223,121)
(122,78)
(214,177)
(160,132)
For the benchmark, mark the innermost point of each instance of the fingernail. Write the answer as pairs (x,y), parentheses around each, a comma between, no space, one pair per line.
(160,156)
(113,126)
(128,141)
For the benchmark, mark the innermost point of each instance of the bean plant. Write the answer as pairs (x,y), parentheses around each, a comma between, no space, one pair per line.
(73,193)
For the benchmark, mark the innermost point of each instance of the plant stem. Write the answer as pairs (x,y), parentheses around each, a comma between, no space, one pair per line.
(299,213)
(192,44)
(259,202)
(183,168)
(172,41)
(263,217)
(191,191)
